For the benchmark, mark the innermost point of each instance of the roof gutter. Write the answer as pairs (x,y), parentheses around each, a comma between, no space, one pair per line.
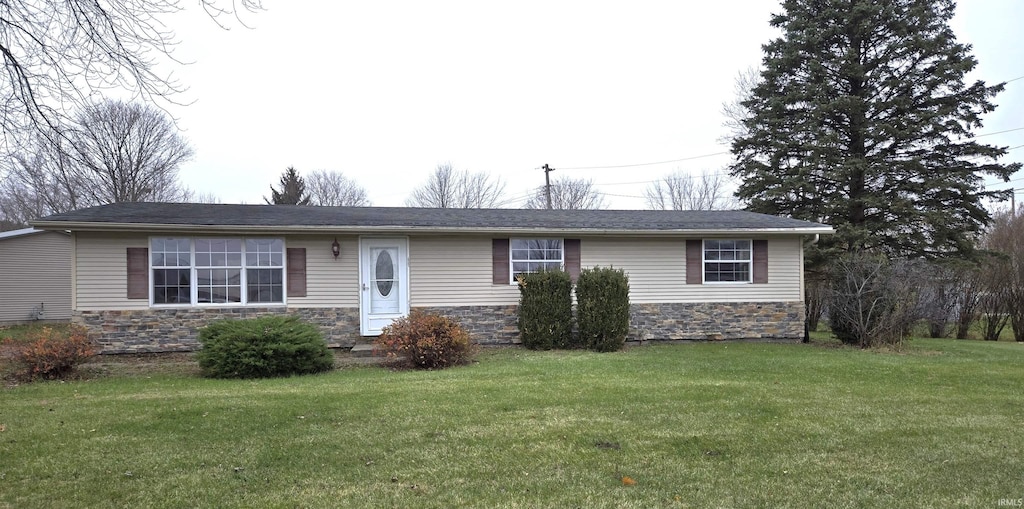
(310,229)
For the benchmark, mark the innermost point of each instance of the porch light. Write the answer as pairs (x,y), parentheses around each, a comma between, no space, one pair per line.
(335,248)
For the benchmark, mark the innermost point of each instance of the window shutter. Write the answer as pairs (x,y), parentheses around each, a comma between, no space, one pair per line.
(499,260)
(296,259)
(138,272)
(694,257)
(760,256)
(572,257)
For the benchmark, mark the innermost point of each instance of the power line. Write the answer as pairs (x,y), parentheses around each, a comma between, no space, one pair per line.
(998,132)
(618,195)
(691,158)
(642,164)
(678,174)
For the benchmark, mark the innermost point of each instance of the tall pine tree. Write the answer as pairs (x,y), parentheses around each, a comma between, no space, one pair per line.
(293,190)
(863,120)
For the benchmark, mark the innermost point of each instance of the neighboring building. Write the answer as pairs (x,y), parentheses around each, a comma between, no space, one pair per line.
(35,276)
(148,275)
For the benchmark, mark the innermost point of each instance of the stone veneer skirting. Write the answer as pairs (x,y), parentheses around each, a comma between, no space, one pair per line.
(175,330)
(487,325)
(717,320)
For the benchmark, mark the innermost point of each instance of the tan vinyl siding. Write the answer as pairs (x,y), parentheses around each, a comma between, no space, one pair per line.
(102,271)
(101,268)
(455,271)
(329,282)
(657,271)
(35,269)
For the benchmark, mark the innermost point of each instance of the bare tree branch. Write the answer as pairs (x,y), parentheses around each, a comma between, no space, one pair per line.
(126,152)
(114,152)
(734,111)
(333,189)
(450,188)
(568,194)
(679,191)
(58,55)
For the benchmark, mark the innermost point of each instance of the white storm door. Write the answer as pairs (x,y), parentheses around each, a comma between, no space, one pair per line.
(383,282)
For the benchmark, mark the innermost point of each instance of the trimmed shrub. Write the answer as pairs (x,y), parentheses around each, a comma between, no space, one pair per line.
(425,341)
(49,353)
(602,308)
(545,310)
(262,347)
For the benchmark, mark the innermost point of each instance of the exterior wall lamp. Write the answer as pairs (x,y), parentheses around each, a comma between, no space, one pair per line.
(335,248)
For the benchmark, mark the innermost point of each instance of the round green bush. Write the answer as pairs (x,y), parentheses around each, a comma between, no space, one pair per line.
(262,347)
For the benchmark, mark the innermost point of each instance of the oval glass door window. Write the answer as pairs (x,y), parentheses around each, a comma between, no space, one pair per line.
(385,272)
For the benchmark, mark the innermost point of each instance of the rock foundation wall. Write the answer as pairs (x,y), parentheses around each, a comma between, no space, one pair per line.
(714,320)
(175,330)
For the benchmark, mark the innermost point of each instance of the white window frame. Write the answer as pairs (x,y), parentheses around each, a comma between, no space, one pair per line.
(512,261)
(749,261)
(193,269)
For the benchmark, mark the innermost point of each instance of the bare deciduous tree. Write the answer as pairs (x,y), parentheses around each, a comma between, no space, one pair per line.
(58,54)
(114,152)
(40,181)
(679,191)
(939,297)
(734,111)
(815,300)
(450,188)
(1003,301)
(333,189)
(968,290)
(567,194)
(127,152)
(873,300)
(194,197)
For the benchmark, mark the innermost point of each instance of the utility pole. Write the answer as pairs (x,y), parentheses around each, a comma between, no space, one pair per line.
(547,182)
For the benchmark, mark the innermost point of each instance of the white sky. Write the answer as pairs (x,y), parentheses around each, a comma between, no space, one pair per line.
(384,91)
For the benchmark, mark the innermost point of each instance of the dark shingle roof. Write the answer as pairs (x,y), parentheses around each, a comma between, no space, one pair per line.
(123,216)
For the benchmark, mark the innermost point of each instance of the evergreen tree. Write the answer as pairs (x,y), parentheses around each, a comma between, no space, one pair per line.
(862,120)
(293,190)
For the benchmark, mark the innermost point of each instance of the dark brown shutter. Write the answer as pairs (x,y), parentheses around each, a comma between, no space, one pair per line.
(296,259)
(138,273)
(760,248)
(694,258)
(572,258)
(499,261)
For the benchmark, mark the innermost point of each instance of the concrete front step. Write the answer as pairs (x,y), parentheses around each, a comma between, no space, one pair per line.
(362,350)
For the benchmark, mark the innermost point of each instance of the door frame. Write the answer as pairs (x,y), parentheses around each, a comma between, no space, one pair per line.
(402,267)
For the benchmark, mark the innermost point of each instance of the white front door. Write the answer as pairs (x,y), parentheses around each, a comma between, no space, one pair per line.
(383,281)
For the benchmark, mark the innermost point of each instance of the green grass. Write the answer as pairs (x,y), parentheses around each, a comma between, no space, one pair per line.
(708,424)
(19,332)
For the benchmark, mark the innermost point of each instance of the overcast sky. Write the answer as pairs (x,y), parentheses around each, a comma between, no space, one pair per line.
(385,91)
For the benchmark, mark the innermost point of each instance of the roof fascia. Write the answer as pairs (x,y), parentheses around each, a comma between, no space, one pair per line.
(363,230)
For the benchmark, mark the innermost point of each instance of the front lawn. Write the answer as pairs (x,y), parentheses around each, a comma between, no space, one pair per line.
(694,425)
